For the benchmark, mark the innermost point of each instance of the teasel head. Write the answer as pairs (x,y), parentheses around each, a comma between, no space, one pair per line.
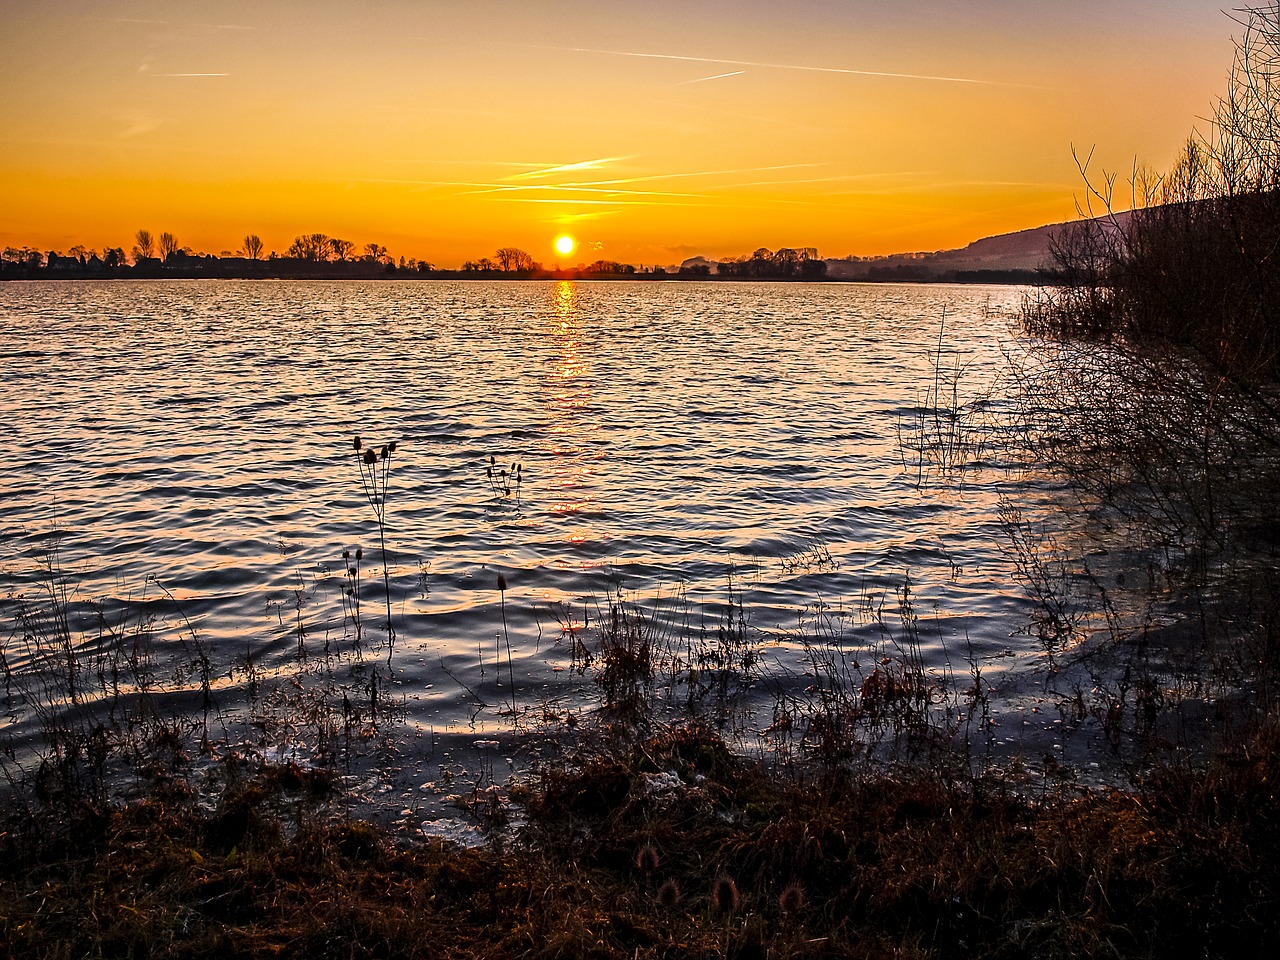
(724,895)
(356,443)
(392,446)
(647,859)
(502,584)
(669,894)
(359,554)
(791,900)
(371,455)
(385,452)
(346,554)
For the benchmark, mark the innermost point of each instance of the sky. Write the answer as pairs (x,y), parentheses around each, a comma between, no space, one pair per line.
(649,132)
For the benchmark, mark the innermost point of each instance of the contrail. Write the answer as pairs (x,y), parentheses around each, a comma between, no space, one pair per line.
(771,66)
(566,168)
(718,76)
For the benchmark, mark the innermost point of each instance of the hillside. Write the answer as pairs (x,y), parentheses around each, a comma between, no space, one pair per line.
(1018,256)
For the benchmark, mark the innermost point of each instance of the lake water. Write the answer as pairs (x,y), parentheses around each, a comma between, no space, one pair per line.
(683,445)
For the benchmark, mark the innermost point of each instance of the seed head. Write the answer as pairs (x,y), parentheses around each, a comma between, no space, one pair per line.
(669,894)
(724,895)
(346,554)
(370,455)
(356,443)
(502,583)
(392,446)
(385,452)
(647,859)
(791,900)
(359,553)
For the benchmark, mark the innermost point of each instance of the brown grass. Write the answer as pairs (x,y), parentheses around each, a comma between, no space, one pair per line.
(914,866)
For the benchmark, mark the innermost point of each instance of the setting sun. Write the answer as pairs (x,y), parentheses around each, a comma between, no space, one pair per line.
(564,245)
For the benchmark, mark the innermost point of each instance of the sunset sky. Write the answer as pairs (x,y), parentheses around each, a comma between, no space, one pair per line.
(648,131)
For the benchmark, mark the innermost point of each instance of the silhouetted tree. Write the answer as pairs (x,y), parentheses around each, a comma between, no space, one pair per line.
(313,247)
(25,258)
(168,245)
(113,257)
(611,266)
(143,245)
(341,249)
(812,268)
(376,253)
(253,246)
(514,259)
(786,263)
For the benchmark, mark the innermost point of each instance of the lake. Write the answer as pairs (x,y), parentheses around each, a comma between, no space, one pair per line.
(709,454)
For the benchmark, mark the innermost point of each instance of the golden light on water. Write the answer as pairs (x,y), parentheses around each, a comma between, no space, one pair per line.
(572,431)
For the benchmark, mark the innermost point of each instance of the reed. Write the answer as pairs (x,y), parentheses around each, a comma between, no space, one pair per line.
(374,465)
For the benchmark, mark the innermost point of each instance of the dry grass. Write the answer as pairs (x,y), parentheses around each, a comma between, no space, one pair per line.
(675,849)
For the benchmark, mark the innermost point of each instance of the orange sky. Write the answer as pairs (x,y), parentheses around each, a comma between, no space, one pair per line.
(650,132)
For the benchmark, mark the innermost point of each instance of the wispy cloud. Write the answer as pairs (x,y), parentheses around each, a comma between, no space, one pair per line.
(189,74)
(616,187)
(137,125)
(718,76)
(765,65)
(649,178)
(170,23)
(566,168)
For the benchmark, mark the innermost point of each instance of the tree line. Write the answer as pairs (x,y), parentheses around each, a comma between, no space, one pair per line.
(150,250)
(313,254)
(784,264)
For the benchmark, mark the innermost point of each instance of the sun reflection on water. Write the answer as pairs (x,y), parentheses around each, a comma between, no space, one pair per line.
(573,431)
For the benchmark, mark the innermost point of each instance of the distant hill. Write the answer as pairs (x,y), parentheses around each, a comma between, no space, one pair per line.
(1008,257)
(1023,252)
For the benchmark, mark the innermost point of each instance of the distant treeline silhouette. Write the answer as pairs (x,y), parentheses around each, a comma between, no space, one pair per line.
(318,255)
(151,256)
(310,255)
(784,264)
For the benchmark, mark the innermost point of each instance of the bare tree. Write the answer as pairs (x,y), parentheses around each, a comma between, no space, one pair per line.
(341,249)
(1248,129)
(253,246)
(313,247)
(377,253)
(168,245)
(143,245)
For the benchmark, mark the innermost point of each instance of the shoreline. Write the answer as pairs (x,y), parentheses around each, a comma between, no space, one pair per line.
(980,277)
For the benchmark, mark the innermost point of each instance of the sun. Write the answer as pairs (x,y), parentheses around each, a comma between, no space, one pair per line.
(565,244)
